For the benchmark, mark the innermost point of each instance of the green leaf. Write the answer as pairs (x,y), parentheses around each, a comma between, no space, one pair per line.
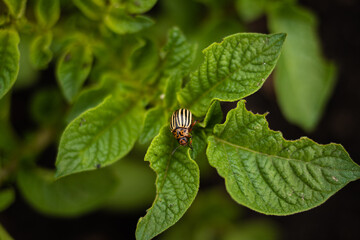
(92,9)
(66,197)
(3,234)
(178,53)
(213,116)
(173,85)
(99,136)
(304,79)
(250,10)
(7,197)
(271,175)
(134,185)
(73,68)
(47,12)
(40,53)
(9,59)
(16,7)
(155,118)
(87,99)
(232,70)
(177,184)
(47,106)
(118,21)
(144,59)
(137,6)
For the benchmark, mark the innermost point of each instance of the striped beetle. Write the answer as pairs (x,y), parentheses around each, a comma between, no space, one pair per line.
(181,125)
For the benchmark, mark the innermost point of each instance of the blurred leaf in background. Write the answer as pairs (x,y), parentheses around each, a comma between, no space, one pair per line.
(213,215)
(304,79)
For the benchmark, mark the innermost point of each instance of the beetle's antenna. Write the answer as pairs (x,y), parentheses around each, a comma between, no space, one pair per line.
(175,150)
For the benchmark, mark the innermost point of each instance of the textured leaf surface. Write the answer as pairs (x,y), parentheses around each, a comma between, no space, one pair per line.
(177,184)
(271,175)
(118,21)
(70,196)
(155,118)
(9,59)
(16,7)
(40,53)
(99,136)
(304,79)
(7,197)
(73,68)
(172,86)
(232,69)
(178,53)
(47,12)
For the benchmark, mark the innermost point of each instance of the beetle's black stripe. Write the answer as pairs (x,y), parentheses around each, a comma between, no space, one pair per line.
(181,118)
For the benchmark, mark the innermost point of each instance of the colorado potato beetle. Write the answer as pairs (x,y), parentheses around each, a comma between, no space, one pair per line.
(181,125)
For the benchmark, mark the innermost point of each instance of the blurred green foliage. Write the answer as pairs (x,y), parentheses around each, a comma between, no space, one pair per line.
(101,78)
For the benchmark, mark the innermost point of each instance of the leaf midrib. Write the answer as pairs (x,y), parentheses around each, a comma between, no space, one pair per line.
(280,157)
(107,127)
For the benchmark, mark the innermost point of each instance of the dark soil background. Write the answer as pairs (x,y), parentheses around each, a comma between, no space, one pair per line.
(337,218)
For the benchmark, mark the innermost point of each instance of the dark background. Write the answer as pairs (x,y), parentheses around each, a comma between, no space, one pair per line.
(337,218)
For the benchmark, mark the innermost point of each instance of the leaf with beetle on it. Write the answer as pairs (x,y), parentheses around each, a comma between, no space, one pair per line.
(100,136)
(9,59)
(177,184)
(73,68)
(271,175)
(232,70)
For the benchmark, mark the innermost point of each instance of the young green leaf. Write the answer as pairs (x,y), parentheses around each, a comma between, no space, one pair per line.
(173,85)
(73,68)
(271,175)
(91,8)
(177,184)
(155,118)
(70,196)
(138,6)
(9,59)
(4,235)
(40,53)
(16,7)
(304,79)
(178,53)
(232,70)
(7,197)
(118,21)
(47,12)
(99,136)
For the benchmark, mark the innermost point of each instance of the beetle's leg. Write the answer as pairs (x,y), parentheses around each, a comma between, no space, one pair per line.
(191,127)
(190,143)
